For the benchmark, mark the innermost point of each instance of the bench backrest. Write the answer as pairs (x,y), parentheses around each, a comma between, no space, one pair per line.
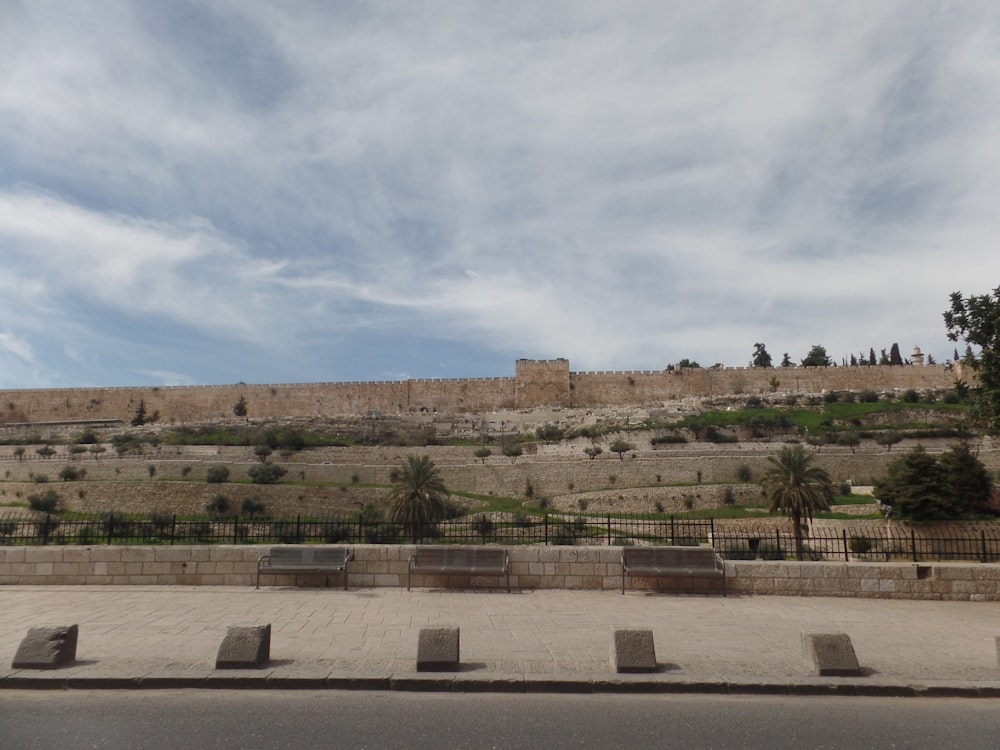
(308,555)
(670,557)
(461,557)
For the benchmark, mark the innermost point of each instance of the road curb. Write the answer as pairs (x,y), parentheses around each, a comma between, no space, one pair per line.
(502,683)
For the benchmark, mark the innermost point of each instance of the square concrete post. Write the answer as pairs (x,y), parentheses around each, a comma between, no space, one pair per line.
(830,654)
(245,647)
(437,650)
(47,647)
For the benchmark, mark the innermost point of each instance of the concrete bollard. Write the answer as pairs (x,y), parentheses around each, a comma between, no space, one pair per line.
(633,651)
(245,647)
(437,650)
(47,647)
(830,655)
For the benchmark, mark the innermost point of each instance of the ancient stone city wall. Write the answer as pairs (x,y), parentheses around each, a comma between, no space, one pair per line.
(536,383)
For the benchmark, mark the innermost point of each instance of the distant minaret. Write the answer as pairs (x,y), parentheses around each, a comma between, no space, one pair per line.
(917,357)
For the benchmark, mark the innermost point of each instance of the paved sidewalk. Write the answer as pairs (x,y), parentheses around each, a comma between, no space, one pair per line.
(168,636)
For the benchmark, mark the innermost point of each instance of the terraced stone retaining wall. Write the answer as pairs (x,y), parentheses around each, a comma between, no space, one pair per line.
(592,568)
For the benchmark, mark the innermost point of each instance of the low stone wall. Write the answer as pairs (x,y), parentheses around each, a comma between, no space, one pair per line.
(595,568)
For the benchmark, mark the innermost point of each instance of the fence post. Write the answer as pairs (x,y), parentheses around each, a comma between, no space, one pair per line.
(111,526)
(546,528)
(777,539)
(672,531)
(913,544)
(173,528)
(298,528)
(846,558)
(983,538)
(609,532)
(236,527)
(711,527)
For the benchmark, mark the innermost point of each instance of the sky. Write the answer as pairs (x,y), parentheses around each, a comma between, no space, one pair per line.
(223,191)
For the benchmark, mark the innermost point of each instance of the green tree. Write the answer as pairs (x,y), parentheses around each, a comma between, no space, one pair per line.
(418,497)
(786,361)
(895,358)
(687,363)
(251,506)
(512,449)
(482,453)
(888,438)
(266,473)
(967,480)
(760,356)
(915,488)
(139,417)
(796,487)
(217,474)
(593,451)
(976,321)
(621,447)
(240,409)
(817,357)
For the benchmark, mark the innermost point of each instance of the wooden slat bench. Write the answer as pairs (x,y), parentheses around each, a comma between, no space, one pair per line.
(305,559)
(673,562)
(447,560)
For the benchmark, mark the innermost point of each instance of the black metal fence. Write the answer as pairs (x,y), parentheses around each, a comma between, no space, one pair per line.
(889,543)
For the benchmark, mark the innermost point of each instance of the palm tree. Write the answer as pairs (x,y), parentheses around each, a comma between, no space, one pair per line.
(795,487)
(418,496)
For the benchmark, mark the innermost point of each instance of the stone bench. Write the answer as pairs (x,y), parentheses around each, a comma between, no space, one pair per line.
(447,560)
(673,562)
(304,559)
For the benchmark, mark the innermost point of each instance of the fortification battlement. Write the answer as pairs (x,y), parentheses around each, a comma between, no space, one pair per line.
(537,383)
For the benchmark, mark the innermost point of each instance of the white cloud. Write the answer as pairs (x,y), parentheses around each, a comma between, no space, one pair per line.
(343,191)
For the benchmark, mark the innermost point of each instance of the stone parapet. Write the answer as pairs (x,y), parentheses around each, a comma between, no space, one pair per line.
(531,567)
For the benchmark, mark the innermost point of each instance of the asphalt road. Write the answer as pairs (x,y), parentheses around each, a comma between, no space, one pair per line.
(306,719)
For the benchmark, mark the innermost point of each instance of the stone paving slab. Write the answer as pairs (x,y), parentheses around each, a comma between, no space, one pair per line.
(529,640)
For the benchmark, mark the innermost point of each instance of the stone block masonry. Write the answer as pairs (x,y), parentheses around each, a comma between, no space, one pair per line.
(537,383)
(531,567)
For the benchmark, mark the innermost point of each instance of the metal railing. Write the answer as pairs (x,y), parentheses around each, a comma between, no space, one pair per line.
(889,543)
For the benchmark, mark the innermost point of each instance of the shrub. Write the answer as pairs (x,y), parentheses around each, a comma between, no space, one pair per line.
(40,478)
(910,396)
(951,397)
(72,474)
(529,489)
(563,534)
(85,535)
(688,503)
(114,524)
(482,525)
(45,503)
(550,433)
(860,545)
(217,505)
(831,397)
(743,473)
(737,549)
(847,397)
(522,520)
(185,471)
(266,473)
(483,453)
(7,527)
(769,550)
(217,474)
(868,396)
(668,439)
(287,532)
(252,506)
(335,531)
(728,498)
(582,505)
(161,521)
(200,530)
(844,488)
(659,506)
